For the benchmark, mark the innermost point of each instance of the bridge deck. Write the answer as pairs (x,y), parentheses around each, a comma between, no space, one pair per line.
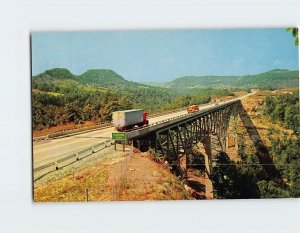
(139,133)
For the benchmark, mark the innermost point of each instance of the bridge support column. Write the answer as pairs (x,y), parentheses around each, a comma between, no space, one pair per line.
(205,148)
(136,144)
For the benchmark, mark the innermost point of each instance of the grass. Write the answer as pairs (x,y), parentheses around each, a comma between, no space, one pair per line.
(72,188)
(139,178)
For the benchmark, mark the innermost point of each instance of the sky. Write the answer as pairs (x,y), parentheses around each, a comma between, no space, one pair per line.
(163,55)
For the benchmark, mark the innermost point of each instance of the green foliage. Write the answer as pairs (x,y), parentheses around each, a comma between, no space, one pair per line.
(195,97)
(60,97)
(201,82)
(295,34)
(248,179)
(251,164)
(274,79)
(156,156)
(233,181)
(95,94)
(285,110)
(196,161)
(270,189)
(49,110)
(286,154)
(103,78)
(74,112)
(60,73)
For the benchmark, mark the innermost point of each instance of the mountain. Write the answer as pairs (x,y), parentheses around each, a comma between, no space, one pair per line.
(59,97)
(60,82)
(202,81)
(59,78)
(96,77)
(273,79)
(105,78)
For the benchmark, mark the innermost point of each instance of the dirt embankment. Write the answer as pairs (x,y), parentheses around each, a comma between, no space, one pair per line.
(229,97)
(135,177)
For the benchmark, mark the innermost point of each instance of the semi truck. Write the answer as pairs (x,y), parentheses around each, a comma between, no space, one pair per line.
(128,119)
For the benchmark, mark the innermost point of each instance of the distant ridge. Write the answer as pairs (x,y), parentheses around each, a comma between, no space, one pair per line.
(273,79)
(277,78)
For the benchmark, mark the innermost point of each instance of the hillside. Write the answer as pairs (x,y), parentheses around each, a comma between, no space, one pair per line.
(60,97)
(104,78)
(52,79)
(274,79)
(112,176)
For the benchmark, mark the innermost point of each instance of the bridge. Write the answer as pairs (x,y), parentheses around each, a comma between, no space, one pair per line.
(173,135)
(178,135)
(175,138)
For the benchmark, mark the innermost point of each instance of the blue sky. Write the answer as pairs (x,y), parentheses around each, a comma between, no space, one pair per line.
(163,55)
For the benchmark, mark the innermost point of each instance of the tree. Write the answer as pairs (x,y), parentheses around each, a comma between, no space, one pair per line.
(74,112)
(270,189)
(295,34)
(235,180)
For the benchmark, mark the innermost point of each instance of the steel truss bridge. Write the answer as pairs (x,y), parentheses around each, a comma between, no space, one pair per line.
(177,137)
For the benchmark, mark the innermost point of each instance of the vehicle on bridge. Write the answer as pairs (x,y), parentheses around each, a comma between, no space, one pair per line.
(193,108)
(129,119)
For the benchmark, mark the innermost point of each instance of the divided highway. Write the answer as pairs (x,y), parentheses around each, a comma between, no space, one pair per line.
(56,147)
(48,151)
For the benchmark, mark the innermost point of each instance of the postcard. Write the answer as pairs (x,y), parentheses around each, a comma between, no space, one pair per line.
(140,115)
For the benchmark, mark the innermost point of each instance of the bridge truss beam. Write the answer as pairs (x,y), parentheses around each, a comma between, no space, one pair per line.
(179,139)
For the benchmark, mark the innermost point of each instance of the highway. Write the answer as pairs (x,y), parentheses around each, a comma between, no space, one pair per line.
(53,148)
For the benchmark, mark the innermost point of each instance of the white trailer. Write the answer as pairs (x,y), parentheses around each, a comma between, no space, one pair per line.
(127,119)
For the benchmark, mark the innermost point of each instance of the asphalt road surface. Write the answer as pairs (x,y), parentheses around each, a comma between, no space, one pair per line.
(54,148)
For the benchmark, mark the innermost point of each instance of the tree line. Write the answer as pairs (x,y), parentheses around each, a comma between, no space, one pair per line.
(284,110)
(76,104)
(49,110)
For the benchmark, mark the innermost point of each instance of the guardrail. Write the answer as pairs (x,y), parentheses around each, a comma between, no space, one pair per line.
(102,125)
(67,159)
(148,127)
(74,131)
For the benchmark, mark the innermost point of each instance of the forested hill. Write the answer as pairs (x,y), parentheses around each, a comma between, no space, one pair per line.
(96,77)
(60,97)
(274,79)
(106,78)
